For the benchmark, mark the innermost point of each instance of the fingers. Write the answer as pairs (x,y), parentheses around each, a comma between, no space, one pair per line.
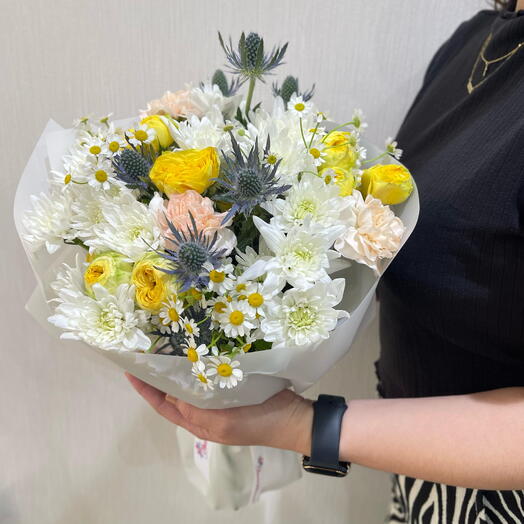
(157,400)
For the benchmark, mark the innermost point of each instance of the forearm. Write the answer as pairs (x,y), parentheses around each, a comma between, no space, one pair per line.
(467,440)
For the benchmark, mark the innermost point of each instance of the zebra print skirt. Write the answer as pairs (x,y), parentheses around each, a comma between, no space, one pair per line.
(420,502)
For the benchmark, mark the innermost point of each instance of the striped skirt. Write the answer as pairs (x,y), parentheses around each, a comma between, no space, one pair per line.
(420,502)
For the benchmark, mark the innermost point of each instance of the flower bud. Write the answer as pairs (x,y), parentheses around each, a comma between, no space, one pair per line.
(109,269)
(390,183)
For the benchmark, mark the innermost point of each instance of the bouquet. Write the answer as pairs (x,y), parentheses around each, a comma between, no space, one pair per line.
(215,249)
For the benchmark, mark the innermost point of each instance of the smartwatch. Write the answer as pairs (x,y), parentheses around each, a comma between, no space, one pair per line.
(328,411)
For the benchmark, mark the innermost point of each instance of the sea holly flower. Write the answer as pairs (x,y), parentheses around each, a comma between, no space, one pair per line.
(191,251)
(290,87)
(250,61)
(227,89)
(303,317)
(248,182)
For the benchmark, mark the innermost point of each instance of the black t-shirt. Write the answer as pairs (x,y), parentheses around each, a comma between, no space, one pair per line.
(452,302)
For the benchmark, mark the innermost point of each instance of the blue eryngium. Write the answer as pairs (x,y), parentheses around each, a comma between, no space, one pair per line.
(192,250)
(247,181)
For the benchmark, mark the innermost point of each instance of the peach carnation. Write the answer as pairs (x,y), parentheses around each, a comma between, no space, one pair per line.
(178,104)
(376,233)
(207,220)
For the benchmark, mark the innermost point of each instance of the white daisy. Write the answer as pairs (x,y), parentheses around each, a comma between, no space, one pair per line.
(142,134)
(304,317)
(194,352)
(189,326)
(170,314)
(257,296)
(392,149)
(48,222)
(100,174)
(238,319)
(226,371)
(202,376)
(221,279)
(299,107)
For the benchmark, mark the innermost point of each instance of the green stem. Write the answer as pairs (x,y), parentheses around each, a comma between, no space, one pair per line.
(313,136)
(382,155)
(249,96)
(350,123)
(302,133)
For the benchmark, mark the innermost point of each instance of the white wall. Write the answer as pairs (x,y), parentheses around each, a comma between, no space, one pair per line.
(76,444)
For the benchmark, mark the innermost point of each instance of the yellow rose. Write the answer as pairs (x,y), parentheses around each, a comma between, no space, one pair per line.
(159,124)
(108,269)
(178,171)
(343,178)
(153,286)
(390,183)
(339,150)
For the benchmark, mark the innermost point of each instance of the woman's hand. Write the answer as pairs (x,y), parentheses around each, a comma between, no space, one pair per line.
(283,421)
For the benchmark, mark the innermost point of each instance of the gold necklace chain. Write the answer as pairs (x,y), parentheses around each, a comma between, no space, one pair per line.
(487,63)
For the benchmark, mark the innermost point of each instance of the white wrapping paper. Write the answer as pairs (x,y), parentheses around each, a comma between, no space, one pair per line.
(266,372)
(228,476)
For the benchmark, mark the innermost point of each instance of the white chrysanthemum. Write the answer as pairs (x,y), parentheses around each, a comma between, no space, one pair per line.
(300,256)
(87,207)
(199,133)
(207,96)
(226,371)
(48,222)
(202,376)
(105,321)
(237,319)
(128,227)
(304,317)
(247,258)
(287,143)
(310,199)
(374,234)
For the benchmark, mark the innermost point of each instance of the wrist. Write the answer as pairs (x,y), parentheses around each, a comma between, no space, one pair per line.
(294,432)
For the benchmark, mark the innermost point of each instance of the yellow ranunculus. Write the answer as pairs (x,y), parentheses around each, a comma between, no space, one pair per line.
(159,124)
(390,183)
(108,269)
(153,286)
(339,150)
(343,178)
(178,171)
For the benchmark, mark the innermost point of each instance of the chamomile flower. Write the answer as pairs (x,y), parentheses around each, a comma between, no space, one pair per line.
(317,155)
(202,376)
(238,319)
(190,326)
(221,279)
(300,107)
(358,120)
(257,296)
(392,149)
(194,352)
(170,314)
(142,134)
(226,371)
(100,174)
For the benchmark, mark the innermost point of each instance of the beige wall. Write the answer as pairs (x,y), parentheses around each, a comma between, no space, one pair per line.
(76,444)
